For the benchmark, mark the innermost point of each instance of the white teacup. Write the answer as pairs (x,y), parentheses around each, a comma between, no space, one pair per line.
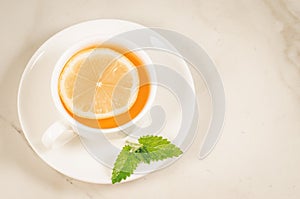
(62,131)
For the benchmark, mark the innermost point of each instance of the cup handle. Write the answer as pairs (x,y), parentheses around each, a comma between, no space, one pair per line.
(57,135)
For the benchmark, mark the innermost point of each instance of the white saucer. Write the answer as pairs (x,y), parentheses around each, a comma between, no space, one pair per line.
(37,111)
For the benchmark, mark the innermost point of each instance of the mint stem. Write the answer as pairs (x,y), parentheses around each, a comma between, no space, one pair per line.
(134,146)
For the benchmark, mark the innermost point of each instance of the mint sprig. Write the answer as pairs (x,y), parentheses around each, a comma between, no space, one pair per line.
(148,149)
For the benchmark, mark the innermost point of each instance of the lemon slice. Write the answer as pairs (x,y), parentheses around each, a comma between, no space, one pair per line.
(98,83)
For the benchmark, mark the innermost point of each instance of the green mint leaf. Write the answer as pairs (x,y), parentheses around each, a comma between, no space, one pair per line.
(125,164)
(150,148)
(157,148)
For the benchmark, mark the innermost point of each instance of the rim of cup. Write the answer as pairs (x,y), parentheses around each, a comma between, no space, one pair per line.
(98,41)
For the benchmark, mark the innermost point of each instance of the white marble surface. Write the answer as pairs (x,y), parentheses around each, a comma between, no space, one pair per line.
(256,46)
